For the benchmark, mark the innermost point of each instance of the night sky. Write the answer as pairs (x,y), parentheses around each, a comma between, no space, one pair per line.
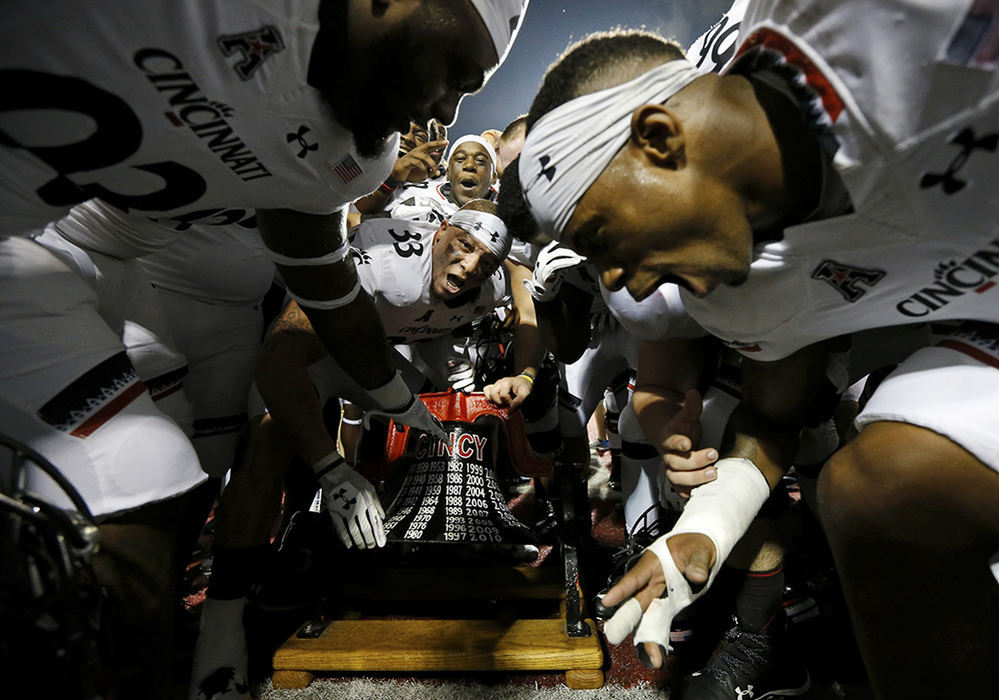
(550,26)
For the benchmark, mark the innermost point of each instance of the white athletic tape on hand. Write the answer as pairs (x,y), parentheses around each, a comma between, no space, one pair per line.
(567,149)
(722,512)
(623,622)
(723,509)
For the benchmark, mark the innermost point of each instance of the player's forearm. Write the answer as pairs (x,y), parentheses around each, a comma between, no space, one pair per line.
(655,407)
(292,402)
(779,399)
(767,444)
(355,338)
(528,346)
(560,331)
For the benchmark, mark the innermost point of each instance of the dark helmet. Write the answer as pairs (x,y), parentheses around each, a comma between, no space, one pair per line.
(49,600)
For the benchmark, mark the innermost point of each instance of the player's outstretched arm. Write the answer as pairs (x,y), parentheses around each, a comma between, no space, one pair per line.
(779,397)
(668,407)
(312,255)
(528,348)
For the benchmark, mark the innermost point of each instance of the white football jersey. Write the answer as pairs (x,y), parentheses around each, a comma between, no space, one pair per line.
(713,49)
(177,110)
(394,263)
(215,264)
(661,316)
(913,104)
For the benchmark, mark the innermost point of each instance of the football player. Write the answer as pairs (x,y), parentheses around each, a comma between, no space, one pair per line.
(842,197)
(185,112)
(424,281)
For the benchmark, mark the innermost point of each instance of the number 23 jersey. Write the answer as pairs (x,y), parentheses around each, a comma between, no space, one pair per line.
(169,109)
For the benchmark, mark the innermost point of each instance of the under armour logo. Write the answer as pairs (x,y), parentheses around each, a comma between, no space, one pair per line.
(300,137)
(361,257)
(456,318)
(493,237)
(254,47)
(968,143)
(342,495)
(545,170)
(846,279)
(747,693)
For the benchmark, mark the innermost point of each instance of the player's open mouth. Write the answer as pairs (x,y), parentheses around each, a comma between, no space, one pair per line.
(469,183)
(454,284)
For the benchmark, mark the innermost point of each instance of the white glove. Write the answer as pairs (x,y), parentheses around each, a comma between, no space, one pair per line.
(461,375)
(549,270)
(352,503)
(415,414)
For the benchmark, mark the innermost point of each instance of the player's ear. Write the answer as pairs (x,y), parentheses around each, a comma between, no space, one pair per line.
(659,134)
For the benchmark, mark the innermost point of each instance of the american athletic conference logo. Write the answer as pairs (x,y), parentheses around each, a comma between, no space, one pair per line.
(847,279)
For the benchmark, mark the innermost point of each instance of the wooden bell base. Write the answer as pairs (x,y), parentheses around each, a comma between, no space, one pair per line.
(501,643)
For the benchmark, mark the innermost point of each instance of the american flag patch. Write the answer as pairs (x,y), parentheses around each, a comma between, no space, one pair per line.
(347,169)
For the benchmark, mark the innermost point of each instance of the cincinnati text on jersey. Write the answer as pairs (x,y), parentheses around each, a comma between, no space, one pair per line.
(952,281)
(206,119)
(425,330)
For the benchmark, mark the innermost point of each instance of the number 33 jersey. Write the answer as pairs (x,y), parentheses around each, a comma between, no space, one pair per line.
(168,109)
(394,261)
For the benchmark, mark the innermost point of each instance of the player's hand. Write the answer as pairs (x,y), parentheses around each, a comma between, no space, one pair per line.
(685,467)
(550,269)
(509,391)
(650,595)
(415,414)
(420,163)
(354,506)
(461,375)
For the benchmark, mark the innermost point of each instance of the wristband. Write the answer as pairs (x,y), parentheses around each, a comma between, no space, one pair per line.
(351,421)
(393,395)
(327,464)
(328,304)
(328,259)
(528,376)
(386,188)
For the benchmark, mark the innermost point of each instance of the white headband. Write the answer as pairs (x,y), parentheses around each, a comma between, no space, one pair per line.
(568,148)
(474,139)
(487,228)
(502,18)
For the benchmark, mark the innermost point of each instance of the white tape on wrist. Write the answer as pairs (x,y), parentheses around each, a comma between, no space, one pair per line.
(393,395)
(723,509)
(328,304)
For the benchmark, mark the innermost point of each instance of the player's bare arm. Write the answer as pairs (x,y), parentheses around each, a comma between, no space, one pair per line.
(668,407)
(529,350)
(362,351)
(283,381)
(564,323)
(779,399)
